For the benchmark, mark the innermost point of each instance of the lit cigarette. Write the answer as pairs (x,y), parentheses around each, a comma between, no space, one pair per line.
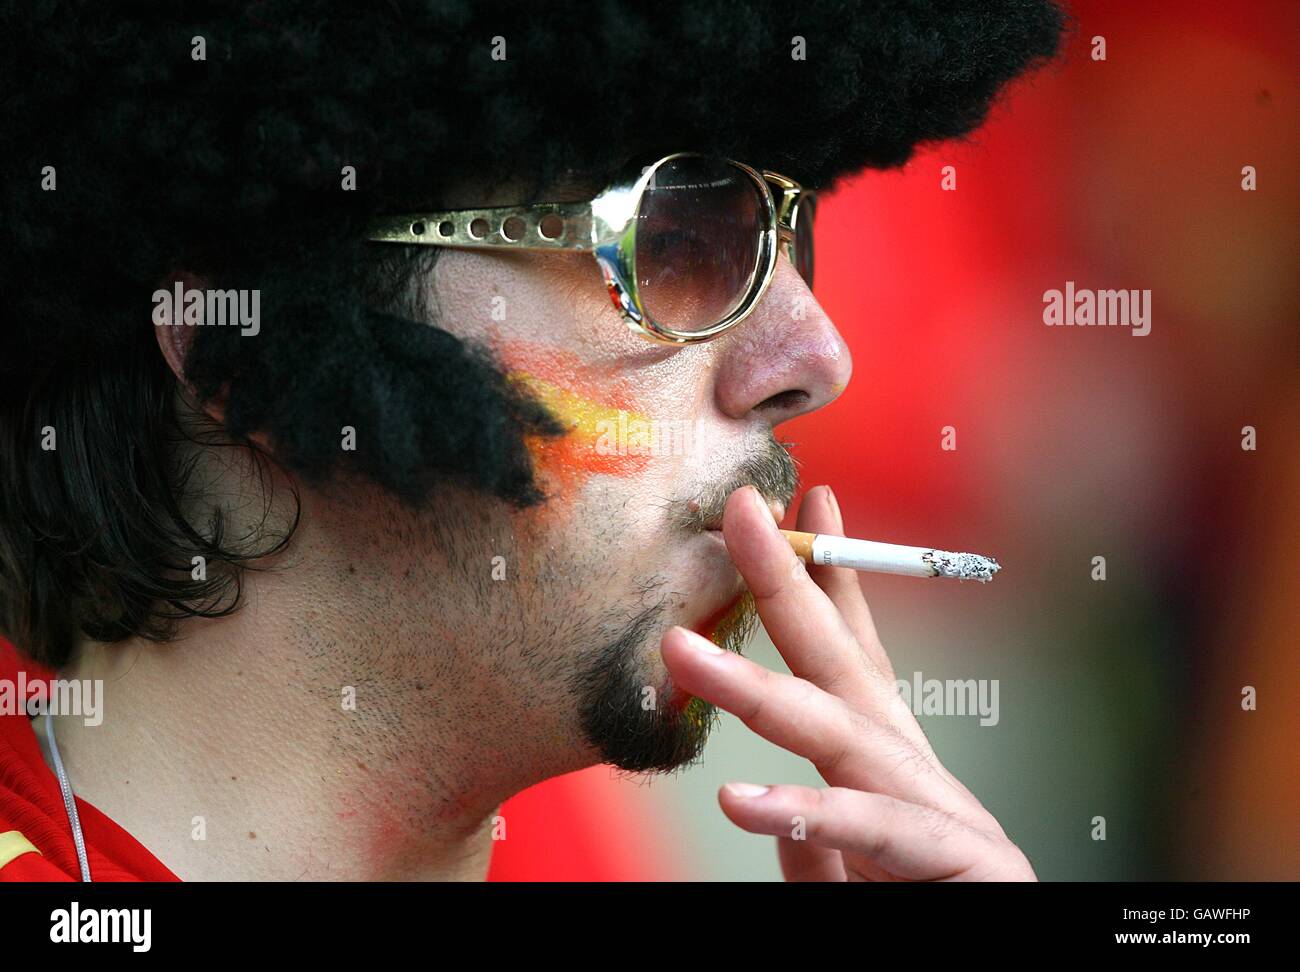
(890,558)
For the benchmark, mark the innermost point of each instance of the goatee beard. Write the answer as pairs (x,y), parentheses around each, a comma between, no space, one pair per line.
(633,728)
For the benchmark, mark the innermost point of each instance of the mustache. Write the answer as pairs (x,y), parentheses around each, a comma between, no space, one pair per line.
(774,472)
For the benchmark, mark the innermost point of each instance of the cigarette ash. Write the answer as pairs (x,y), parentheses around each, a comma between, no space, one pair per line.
(963,566)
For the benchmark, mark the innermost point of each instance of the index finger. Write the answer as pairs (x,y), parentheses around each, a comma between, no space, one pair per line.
(820,513)
(803,622)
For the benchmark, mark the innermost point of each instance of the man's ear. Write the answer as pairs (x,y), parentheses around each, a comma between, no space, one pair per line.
(175,336)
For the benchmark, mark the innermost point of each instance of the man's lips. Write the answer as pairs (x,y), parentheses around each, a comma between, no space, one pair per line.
(706,626)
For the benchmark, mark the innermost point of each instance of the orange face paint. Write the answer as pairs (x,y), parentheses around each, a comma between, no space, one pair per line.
(602,434)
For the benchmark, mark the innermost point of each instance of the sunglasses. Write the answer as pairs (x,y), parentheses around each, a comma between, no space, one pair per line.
(687,246)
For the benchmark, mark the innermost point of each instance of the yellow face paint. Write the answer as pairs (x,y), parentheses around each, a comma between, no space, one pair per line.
(605,432)
(599,438)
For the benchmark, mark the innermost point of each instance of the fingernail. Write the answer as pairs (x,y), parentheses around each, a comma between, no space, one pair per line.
(761,505)
(747,790)
(701,643)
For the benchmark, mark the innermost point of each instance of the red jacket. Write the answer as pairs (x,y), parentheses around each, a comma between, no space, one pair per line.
(35,835)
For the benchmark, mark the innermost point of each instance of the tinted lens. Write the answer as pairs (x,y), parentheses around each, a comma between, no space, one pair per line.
(803,240)
(698,242)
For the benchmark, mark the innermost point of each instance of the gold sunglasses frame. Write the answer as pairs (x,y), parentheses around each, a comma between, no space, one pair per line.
(606,227)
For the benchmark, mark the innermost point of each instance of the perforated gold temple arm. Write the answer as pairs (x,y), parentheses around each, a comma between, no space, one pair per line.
(542,226)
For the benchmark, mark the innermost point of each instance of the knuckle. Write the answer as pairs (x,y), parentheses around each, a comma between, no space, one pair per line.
(798,572)
(774,583)
(837,681)
(1004,862)
(906,753)
(777,696)
(806,694)
(758,706)
(816,806)
(940,825)
(843,745)
(879,838)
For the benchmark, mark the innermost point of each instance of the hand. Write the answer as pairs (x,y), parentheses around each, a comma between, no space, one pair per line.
(891,811)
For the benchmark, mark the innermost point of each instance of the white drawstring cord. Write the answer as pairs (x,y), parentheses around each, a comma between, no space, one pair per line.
(69,802)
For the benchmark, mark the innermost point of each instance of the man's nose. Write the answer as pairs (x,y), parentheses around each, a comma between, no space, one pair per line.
(785,359)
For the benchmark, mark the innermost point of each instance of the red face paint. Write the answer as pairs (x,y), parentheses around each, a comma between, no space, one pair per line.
(709,626)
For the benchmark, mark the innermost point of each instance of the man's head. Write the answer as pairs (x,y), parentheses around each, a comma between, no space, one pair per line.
(654,438)
(499,492)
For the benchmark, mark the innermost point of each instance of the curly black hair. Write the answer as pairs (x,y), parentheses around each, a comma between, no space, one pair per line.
(140,141)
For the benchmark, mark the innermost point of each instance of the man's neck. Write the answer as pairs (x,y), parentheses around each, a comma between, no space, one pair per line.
(232,755)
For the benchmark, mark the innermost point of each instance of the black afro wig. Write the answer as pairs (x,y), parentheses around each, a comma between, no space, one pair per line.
(229,166)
